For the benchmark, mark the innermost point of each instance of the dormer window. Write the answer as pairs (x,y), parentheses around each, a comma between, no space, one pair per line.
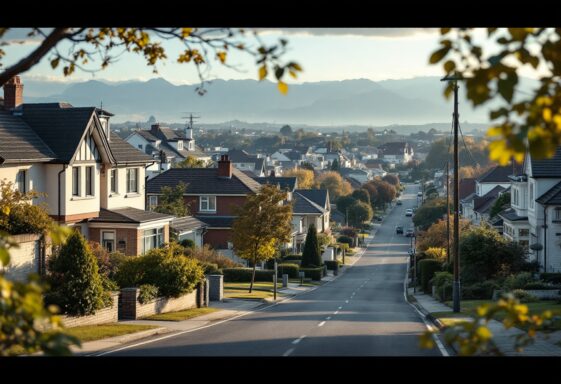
(179,144)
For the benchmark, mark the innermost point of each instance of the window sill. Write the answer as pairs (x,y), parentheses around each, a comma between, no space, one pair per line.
(202,211)
(133,194)
(78,198)
(114,195)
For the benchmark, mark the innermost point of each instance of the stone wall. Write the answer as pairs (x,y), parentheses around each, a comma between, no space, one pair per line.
(103,316)
(131,309)
(24,260)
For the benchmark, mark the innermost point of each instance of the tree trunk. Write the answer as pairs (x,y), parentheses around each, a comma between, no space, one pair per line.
(253,274)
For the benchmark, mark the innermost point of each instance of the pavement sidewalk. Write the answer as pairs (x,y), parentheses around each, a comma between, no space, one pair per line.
(504,338)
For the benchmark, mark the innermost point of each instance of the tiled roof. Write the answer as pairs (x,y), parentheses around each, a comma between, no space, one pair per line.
(499,174)
(551,197)
(286,183)
(61,127)
(466,187)
(318,196)
(218,221)
(547,167)
(303,205)
(128,215)
(147,135)
(395,148)
(204,181)
(187,223)
(337,216)
(123,152)
(240,156)
(483,203)
(510,215)
(18,142)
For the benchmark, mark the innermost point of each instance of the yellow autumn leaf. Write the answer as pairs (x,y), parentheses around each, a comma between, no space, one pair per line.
(6,210)
(262,72)
(221,56)
(546,113)
(482,310)
(484,333)
(185,32)
(283,88)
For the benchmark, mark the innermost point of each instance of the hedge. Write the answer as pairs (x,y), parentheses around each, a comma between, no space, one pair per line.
(427,268)
(554,278)
(332,265)
(541,285)
(345,240)
(292,258)
(479,291)
(243,275)
(289,269)
(313,273)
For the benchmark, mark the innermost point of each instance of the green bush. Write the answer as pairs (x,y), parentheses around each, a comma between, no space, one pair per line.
(314,273)
(210,268)
(524,296)
(243,275)
(541,285)
(288,268)
(346,240)
(173,275)
(479,291)
(441,278)
(427,269)
(518,281)
(311,256)
(554,278)
(147,293)
(76,285)
(187,243)
(332,265)
(292,258)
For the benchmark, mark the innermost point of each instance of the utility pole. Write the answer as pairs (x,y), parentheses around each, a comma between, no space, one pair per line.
(456,245)
(448,212)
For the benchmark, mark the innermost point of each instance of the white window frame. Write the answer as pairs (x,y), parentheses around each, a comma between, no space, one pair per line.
(154,239)
(90,181)
(205,201)
(113,241)
(152,202)
(114,181)
(76,181)
(21,180)
(180,145)
(130,172)
(557,215)
(531,195)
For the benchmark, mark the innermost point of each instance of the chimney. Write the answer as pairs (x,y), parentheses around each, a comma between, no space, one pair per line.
(225,167)
(272,173)
(154,128)
(13,93)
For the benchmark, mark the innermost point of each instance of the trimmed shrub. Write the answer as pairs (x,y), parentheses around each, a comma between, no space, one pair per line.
(331,265)
(210,268)
(75,282)
(147,293)
(518,281)
(187,243)
(209,255)
(311,257)
(427,269)
(541,285)
(313,273)
(348,231)
(346,240)
(243,275)
(554,278)
(479,291)
(292,258)
(524,296)
(290,269)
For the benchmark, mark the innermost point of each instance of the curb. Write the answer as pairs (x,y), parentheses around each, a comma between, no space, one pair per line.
(120,339)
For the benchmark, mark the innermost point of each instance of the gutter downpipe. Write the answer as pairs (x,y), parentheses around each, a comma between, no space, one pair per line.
(545,238)
(59,203)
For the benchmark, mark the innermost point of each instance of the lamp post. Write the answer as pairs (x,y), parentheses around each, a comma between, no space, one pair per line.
(414,263)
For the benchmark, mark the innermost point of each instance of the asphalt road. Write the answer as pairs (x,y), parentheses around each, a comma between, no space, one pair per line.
(361,313)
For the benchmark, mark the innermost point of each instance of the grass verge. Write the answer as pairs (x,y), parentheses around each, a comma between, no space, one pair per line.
(182,315)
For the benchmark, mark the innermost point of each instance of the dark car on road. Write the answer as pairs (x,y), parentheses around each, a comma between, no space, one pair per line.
(399,202)
(410,233)
(399,230)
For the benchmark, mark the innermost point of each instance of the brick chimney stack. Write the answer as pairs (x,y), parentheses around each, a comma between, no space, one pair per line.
(225,167)
(13,93)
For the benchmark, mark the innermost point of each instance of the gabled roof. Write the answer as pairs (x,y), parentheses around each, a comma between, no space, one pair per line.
(499,174)
(285,183)
(204,181)
(18,142)
(123,152)
(146,134)
(551,197)
(466,187)
(128,215)
(218,221)
(547,167)
(318,196)
(59,125)
(241,156)
(510,215)
(350,171)
(186,224)
(303,205)
(483,203)
(337,216)
(394,148)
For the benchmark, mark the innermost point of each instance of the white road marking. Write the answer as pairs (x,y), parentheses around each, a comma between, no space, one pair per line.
(328,318)
(298,340)
(347,301)
(336,312)
(321,324)
(340,307)
(288,352)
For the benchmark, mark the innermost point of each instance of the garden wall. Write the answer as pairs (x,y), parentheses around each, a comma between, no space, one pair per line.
(103,316)
(24,260)
(131,309)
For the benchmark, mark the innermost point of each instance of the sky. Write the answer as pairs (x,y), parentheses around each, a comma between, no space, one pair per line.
(326,54)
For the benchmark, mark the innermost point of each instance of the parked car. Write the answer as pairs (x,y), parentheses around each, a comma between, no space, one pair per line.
(399,202)
(408,212)
(419,193)
(378,218)
(399,230)
(410,232)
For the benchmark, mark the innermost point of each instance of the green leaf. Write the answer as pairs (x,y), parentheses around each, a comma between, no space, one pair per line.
(54,62)
(438,55)
(506,86)
(444,31)
(4,256)
(449,66)
(279,72)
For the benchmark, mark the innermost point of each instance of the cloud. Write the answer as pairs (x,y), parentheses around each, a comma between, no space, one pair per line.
(362,32)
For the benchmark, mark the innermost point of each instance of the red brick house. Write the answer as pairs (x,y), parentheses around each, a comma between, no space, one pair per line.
(212,195)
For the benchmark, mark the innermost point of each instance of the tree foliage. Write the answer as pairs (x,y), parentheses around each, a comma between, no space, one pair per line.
(435,235)
(362,195)
(190,162)
(359,212)
(76,285)
(304,177)
(335,166)
(171,200)
(501,203)
(93,49)
(391,179)
(334,183)
(311,256)
(522,120)
(262,225)
(286,130)
(429,213)
(385,192)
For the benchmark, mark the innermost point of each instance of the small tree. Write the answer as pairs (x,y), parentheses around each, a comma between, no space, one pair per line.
(286,130)
(171,201)
(359,212)
(190,162)
(311,257)
(262,225)
(362,195)
(76,285)
(304,177)
(501,203)
(429,213)
(335,166)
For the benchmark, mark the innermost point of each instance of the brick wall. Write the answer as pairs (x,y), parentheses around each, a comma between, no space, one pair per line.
(131,309)
(103,316)
(25,259)
(217,238)
(224,204)
(132,238)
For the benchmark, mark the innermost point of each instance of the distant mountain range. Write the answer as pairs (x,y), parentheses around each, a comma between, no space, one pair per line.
(328,103)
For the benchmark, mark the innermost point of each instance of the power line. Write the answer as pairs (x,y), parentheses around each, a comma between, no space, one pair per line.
(466,147)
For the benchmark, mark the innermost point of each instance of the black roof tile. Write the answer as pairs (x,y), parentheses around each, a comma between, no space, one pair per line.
(128,215)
